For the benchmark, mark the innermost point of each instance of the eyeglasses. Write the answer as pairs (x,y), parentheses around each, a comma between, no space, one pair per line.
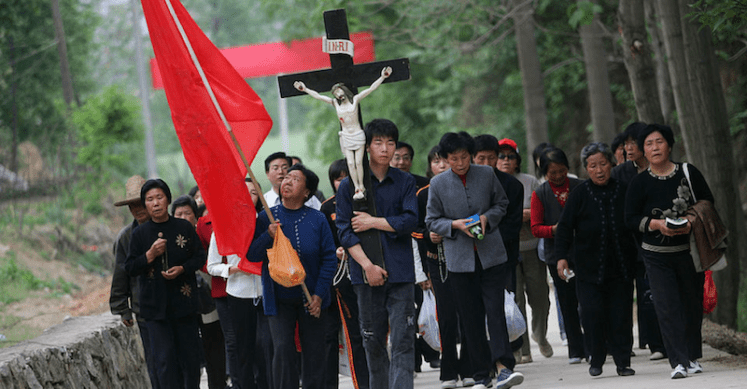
(507,156)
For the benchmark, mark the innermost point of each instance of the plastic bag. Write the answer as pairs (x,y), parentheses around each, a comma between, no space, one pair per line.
(428,321)
(710,294)
(283,264)
(515,322)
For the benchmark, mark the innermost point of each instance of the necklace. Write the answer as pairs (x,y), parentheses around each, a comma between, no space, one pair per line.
(666,176)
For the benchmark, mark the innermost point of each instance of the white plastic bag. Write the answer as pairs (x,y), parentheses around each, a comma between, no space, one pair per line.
(515,322)
(428,321)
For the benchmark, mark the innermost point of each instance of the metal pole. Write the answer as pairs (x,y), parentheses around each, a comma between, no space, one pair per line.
(150,149)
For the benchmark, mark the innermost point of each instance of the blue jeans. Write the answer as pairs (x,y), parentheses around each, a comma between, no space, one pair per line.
(388,309)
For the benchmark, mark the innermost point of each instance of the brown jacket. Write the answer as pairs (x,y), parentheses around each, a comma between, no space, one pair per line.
(708,232)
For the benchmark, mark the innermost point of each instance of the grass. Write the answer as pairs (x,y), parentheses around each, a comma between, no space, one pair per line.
(16,282)
(15,333)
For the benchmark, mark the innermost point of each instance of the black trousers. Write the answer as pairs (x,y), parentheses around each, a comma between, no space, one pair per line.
(176,351)
(678,298)
(214,346)
(607,315)
(478,294)
(648,325)
(569,309)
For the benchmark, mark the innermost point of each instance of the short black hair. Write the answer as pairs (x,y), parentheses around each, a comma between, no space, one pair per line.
(152,184)
(431,156)
(537,153)
(632,131)
(274,156)
(193,191)
(451,142)
(336,169)
(381,127)
(407,146)
(486,142)
(292,157)
(552,155)
(201,210)
(665,131)
(617,141)
(184,201)
(312,180)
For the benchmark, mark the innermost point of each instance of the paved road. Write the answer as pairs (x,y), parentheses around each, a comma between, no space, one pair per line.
(555,372)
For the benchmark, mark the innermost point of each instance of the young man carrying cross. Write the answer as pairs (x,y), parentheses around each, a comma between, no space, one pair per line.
(385,293)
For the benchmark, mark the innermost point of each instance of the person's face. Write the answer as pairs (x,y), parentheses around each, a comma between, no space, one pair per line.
(294,186)
(656,148)
(439,165)
(459,161)
(508,161)
(278,168)
(632,150)
(253,192)
(139,212)
(486,157)
(185,212)
(157,204)
(556,173)
(381,150)
(198,198)
(599,169)
(338,180)
(339,94)
(620,154)
(402,159)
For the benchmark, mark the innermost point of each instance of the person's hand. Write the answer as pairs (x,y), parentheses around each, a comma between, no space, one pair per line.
(461,225)
(173,272)
(272,229)
(562,267)
(554,229)
(299,85)
(425,285)
(386,72)
(314,307)
(340,252)
(436,238)
(157,248)
(128,322)
(661,226)
(233,270)
(375,275)
(362,221)
(484,223)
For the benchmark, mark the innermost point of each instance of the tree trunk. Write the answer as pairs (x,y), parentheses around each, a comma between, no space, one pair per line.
(535,110)
(597,77)
(718,166)
(664,83)
(638,61)
(13,165)
(705,129)
(59,33)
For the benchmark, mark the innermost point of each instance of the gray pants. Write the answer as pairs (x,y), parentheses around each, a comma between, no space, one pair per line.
(531,278)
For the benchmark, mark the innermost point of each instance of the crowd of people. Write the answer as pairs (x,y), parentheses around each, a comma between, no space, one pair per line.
(473,228)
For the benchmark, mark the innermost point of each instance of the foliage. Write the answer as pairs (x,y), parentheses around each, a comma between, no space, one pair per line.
(728,18)
(582,13)
(15,282)
(105,125)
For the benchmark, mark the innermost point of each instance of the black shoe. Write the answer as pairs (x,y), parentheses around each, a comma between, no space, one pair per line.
(595,371)
(417,368)
(435,364)
(625,371)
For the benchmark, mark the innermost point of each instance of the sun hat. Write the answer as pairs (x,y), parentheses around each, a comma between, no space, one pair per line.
(505,142)
(132,190)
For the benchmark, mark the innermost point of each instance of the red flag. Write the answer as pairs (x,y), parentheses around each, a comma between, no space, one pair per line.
(206,143)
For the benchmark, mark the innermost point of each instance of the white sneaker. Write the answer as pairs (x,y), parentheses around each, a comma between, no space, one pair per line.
(448,384)
(480,386)
(694,368)
(679,372)
(467,382)
(656,356)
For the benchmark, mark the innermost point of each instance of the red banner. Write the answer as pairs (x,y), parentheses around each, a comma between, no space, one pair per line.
(270,59)
(205,141)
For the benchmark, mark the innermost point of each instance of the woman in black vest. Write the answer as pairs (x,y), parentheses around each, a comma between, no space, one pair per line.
(593,222)
(547,205)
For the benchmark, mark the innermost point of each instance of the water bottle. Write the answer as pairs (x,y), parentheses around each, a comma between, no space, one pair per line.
(476,231)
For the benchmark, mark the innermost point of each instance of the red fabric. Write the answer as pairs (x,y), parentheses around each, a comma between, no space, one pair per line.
(710,294)
(207,146)
(270,59)
(204,232)
(250,267)
(539,229)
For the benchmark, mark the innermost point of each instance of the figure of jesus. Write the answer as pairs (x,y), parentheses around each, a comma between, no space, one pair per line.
(352,137)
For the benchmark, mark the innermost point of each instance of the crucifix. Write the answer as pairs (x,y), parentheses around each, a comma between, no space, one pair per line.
(345,72)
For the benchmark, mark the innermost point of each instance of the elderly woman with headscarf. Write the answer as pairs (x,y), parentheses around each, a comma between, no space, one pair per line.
(593,222)
(165,252)
(310,235)
(663,192)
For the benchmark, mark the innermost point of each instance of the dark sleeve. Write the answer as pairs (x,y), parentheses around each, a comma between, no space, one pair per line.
(328,260)
(566,224)
(634,201)
(199,255)
(510,226)
(262,240)
(119,297)
(404,224)
(344,211)
(700,185)
(137,263)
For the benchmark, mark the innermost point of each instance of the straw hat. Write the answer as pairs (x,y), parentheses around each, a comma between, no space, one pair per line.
(132,190)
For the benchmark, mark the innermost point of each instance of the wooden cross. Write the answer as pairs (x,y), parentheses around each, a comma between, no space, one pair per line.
(345,71)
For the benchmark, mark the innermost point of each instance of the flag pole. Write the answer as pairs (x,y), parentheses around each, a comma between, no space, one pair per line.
(209,89)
